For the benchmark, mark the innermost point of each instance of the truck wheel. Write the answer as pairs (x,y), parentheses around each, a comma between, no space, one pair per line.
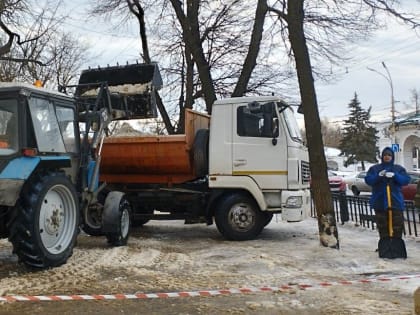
(44,230)
(238,218)
(200,152)
(121,225)
(268,216)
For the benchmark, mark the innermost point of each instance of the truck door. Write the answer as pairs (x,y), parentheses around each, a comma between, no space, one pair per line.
(259,145)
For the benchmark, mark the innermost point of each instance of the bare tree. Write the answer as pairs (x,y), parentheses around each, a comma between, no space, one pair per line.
(67,55)
(415,98)
(331,134)
(9,11)
(35,47)
(17,23)
(127,9)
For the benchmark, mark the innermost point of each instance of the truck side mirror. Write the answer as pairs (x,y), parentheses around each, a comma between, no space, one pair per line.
(275,130)
(275,127)
(300,109)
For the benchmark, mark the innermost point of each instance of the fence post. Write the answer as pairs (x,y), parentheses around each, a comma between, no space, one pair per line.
(344,210)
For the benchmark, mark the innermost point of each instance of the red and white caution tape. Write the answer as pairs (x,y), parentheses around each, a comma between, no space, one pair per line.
(202,293)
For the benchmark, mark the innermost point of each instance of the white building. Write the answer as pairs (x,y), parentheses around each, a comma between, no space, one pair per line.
(405,140)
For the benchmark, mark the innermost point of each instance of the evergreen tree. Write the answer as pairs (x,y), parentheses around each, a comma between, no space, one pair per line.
(359,139)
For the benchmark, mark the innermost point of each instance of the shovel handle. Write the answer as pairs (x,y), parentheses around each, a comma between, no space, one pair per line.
(388,195)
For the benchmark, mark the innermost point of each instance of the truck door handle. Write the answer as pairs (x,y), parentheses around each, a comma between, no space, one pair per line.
(239,162)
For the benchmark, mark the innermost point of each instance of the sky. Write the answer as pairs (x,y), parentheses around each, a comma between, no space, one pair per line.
(397,46)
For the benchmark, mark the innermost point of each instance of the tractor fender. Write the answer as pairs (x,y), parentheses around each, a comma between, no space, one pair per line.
(110,214)
(23,167)
(18,170)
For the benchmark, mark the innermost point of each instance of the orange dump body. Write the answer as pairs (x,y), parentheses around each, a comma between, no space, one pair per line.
(152,159)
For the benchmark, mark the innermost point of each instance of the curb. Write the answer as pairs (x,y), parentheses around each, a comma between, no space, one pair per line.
(200,293)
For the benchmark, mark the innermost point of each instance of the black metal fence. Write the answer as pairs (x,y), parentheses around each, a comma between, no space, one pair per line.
(357,209)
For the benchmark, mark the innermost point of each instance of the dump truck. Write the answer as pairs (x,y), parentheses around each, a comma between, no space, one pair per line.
(50,154)
(237,168)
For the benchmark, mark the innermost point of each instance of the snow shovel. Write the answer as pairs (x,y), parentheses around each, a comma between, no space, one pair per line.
(390,247)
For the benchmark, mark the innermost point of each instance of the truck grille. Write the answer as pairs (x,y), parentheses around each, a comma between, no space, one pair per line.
(306,172)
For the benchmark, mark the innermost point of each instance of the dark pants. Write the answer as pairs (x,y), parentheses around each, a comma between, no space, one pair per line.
(381,218)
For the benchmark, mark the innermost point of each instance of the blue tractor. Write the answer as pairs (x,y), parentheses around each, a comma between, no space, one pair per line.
(50,150)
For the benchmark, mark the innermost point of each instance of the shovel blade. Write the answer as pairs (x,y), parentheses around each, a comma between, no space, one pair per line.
(390,247)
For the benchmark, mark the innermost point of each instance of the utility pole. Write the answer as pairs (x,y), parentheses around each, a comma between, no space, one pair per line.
(389,80)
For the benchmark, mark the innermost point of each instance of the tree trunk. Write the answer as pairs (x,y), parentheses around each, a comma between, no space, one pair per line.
(139,14)
(320,186)
(191,33)
(253,50)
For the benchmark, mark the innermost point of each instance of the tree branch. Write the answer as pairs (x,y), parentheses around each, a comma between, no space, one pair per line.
(23,60)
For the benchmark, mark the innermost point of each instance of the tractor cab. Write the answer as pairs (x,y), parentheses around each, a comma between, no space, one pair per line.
(37,119)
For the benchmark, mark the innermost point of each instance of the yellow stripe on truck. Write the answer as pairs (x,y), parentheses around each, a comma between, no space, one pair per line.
(259,173)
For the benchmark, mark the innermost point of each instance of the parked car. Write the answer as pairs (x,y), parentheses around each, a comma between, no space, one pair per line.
(357,185)
(337,183)
(410,190)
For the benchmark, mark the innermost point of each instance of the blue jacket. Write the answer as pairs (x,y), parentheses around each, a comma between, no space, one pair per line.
(378,199)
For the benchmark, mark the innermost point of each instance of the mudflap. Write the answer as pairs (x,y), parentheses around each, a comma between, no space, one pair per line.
(111,213)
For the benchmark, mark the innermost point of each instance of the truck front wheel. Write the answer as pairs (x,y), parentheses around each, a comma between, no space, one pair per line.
(116,219)
(238,218)
(45,226)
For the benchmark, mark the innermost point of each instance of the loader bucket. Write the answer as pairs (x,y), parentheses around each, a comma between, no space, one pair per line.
(131,87)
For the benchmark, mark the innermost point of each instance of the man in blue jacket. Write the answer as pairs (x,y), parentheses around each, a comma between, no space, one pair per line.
(378,176)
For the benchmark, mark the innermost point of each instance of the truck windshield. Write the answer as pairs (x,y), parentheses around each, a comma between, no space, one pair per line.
(8,126)
(292,125)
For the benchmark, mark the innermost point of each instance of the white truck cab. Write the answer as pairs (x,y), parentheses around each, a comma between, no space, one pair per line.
(255,145)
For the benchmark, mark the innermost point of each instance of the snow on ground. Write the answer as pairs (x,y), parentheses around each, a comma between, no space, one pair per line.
(355,258)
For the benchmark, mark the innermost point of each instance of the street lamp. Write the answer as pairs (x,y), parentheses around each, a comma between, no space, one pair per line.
(389,79)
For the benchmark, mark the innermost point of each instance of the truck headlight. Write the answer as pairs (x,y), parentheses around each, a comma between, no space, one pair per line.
(294,202)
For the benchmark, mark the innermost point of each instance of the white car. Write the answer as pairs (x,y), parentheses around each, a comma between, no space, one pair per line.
(357,183)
